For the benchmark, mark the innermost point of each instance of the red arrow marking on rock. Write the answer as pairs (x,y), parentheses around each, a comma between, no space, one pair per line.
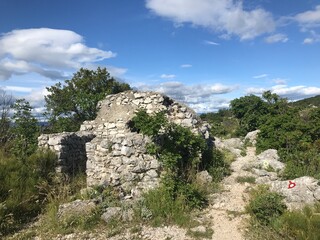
(291,184)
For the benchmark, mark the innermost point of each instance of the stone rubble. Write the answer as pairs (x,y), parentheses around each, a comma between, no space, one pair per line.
(110,152)
(267,168)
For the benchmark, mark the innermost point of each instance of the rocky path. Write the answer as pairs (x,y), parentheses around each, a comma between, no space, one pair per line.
(226,213)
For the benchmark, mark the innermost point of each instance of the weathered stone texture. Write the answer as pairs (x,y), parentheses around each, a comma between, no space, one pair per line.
(70,150)
(115,155)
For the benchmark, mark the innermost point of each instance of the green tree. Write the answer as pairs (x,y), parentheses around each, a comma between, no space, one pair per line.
(25,129)
(276,104)
(75,101)
(249,110)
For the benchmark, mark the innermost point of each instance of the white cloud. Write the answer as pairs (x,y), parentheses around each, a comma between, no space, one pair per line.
(260,76)
(255,90)
(211,43)
(17,89)
(309,19)
(308,40)
(201,97)
(315,37)
(292,93)
(48,52)
(279,37)
(186,66)
(168,76)
(227,17)
(279,81)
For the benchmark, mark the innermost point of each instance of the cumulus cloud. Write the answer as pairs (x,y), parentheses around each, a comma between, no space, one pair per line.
(48,52)
(292,93)
(168,76)
(202,98)
(279,37)
(309,19)
(227,17)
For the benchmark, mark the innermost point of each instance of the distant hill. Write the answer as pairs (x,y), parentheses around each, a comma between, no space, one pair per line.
(315,101)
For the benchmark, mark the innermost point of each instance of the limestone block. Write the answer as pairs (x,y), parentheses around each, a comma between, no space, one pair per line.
(111,213)
(139,168)
(149,107)
(302,193)
(138,95)
(76,208)
(154,164)
(116,153)
(111,126)
(147,100)
(203,178)
(126,151)
(181,115)
(183,109)
(316,194)
(127,142)
(54,140)
(187,122)
(136,102)
(270,158)
(152,173)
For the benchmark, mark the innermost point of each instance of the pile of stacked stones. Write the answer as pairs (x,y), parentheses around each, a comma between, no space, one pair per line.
(116,156)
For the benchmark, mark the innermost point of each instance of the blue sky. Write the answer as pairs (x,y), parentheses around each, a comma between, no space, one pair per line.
(202,52)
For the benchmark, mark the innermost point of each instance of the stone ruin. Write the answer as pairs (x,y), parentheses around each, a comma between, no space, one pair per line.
(109,152)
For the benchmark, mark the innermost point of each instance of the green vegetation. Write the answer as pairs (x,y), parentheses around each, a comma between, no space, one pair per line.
(27,174)
(75,101)
(21,196)
(265,206)
(307,103)
(246,179)
(271,220)
(223,123)
(293,131)
(301,224)
(183,154)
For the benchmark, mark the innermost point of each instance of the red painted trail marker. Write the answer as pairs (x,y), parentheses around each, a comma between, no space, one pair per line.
(291,184)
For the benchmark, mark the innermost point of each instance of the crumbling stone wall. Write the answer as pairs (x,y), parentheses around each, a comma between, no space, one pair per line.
(70,150)
(117,156)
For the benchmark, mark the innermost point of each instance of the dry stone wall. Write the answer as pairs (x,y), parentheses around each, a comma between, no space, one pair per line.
(114,154)
(70,150)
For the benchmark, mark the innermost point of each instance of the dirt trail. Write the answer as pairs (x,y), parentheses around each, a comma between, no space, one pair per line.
(227,211)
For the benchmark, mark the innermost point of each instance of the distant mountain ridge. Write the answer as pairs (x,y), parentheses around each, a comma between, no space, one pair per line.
(315,101)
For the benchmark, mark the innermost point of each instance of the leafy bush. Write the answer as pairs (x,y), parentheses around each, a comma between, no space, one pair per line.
(265,206)
(301,224)
(74,101)
(223,123)
(219,164)
(179,150)
(182,154)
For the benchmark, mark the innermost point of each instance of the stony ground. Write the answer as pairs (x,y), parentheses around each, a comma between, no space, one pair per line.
(227,211)
(224,215)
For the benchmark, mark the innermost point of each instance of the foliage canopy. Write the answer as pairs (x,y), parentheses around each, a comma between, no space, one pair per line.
(75,101)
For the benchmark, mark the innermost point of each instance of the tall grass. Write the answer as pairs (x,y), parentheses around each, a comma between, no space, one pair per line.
(20,197)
